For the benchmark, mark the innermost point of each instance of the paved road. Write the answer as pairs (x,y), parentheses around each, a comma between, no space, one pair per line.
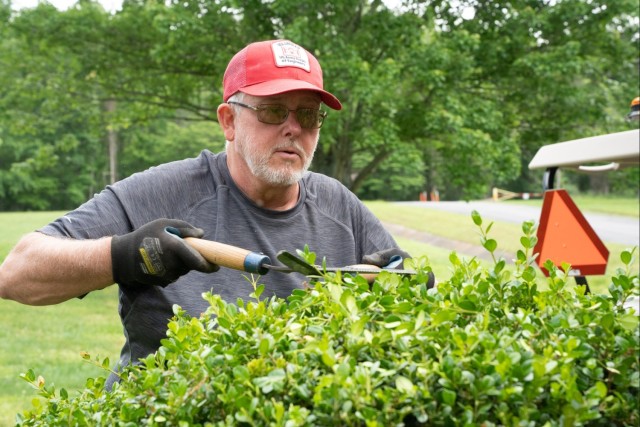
(610,228)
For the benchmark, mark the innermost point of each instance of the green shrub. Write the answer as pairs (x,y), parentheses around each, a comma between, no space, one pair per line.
(485,347)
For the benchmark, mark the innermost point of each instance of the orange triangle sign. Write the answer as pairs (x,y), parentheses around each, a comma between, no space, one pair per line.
(565,236)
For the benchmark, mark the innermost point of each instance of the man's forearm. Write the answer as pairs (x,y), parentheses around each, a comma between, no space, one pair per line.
(43,270)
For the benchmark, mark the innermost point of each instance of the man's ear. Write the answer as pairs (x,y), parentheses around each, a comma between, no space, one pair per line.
(226,119)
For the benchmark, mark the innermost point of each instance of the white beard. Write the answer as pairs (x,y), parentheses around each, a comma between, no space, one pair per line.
(258,162)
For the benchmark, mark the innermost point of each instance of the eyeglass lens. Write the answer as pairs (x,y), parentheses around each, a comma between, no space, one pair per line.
(308,118)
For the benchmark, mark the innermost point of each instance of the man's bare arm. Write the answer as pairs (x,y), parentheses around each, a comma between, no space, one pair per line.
(44,270)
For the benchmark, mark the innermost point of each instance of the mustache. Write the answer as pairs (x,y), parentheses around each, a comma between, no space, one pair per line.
(290,145)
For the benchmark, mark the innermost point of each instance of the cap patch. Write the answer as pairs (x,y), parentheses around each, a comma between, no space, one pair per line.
(288,54)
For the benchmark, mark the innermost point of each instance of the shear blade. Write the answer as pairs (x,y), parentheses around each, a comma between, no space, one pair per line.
(297,265)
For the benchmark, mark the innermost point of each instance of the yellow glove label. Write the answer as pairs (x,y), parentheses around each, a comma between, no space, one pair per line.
(150,251)
(147,262)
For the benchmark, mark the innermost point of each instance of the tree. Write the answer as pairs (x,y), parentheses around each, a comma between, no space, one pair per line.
(473,86)
(563,70)
(49,156)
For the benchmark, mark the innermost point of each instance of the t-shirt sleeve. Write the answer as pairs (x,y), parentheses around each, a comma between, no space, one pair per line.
(101,216)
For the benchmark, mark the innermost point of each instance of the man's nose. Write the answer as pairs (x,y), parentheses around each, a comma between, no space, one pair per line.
(292,122)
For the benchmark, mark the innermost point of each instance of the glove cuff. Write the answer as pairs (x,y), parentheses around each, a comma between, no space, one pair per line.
(121,248)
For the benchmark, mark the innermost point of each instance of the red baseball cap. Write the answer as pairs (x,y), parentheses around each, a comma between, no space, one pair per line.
(273,67)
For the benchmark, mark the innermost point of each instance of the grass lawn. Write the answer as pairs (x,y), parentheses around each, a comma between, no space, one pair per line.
(49,339)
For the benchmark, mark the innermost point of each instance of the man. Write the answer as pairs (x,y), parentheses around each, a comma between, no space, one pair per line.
(257,195)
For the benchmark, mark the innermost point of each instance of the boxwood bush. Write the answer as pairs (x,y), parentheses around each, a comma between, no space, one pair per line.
(484,347)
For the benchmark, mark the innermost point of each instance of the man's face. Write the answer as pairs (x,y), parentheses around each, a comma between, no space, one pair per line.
(277,154)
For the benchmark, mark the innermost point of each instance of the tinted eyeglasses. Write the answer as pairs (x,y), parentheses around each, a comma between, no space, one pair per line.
(275,114)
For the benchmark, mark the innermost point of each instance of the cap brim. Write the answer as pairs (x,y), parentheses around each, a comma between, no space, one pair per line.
(275,87)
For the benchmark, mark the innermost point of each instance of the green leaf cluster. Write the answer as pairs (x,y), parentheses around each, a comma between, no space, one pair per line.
(484,347)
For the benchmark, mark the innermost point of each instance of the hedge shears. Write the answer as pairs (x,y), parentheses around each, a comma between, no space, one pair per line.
(254,262)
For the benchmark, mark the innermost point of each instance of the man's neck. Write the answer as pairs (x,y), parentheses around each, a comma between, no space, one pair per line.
(278,198)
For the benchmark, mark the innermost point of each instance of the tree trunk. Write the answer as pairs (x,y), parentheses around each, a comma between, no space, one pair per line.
(341,153)
(369,169)
(112,140)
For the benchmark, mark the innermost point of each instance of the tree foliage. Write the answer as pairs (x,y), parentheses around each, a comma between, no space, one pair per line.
(455,96)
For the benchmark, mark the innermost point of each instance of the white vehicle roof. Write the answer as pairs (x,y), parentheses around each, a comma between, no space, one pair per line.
(620,150)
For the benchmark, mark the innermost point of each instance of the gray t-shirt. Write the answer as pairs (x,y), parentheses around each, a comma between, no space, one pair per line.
(328,217)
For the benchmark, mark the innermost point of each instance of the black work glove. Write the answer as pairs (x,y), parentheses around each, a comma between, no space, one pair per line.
(151,255)
(383,258)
